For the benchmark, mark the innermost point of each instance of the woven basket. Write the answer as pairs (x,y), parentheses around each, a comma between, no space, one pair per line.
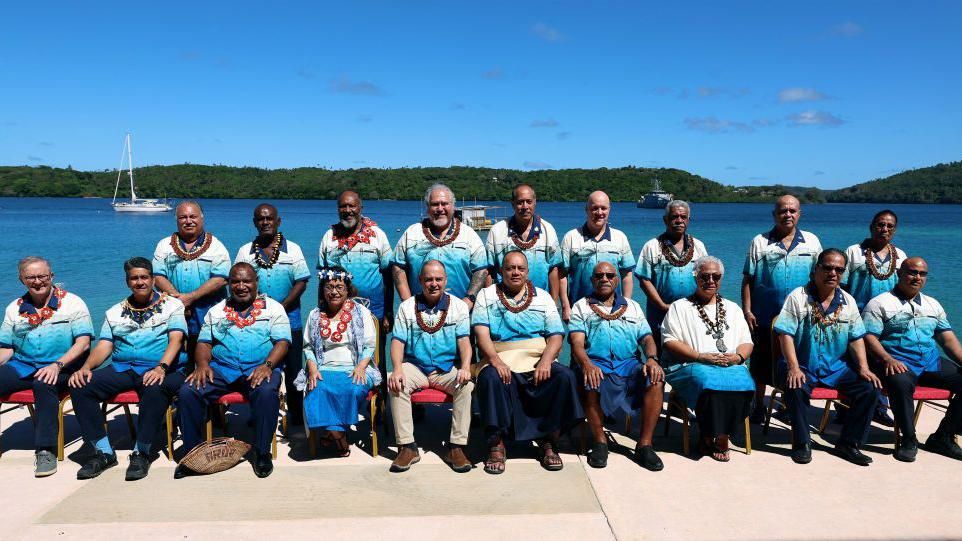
(216,455)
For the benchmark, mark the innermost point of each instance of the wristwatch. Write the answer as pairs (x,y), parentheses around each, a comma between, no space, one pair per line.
(59,364)
(163,366)
(471,297)
(655,357)
(268,364)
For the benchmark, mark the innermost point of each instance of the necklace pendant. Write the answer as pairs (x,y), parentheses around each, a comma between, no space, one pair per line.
(720,345)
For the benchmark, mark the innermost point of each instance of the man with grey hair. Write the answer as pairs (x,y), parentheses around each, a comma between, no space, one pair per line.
(666,262)
(192,265)
(443,237)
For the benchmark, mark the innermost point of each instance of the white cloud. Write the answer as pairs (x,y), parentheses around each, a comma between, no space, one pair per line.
(357,88)
(799,94)
(847,29)
(493,74)
(815,118)
(536,165)
(546,32)
(544,123)
(710,124)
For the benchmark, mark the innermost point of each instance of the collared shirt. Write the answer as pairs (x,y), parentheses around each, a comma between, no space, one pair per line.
(613,345)
(237,351)
(542,257)
(365,260)
(580,252)
(776,270)
(860,283)
(186,276)
(277,281)
(462,257)
(671,282)
(432,351)
(907,328)
(140,346)
(36,346)
(822,352)
(684,324)
(541,318)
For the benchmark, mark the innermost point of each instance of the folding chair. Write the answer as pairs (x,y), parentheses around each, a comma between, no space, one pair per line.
(675,402)
(26,398)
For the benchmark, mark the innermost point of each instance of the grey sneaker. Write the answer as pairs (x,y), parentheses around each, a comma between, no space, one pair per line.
(44,464)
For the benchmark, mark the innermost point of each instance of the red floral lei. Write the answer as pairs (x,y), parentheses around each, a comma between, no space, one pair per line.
(45,312)
(251,318)
(343,321)
(364,234)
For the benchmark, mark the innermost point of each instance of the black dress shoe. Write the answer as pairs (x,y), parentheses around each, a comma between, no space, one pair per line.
(96,465)
(263,466)
(138,467)
(852,454)
(597,455)
(182,471)
(946,446)
(645,456)
(802,454)
(907,448)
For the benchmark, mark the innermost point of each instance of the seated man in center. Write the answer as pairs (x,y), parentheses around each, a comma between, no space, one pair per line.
(431,330)
(241,347)
(523,392)
(606,332)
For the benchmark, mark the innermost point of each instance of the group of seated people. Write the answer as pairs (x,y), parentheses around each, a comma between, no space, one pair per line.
(522,390)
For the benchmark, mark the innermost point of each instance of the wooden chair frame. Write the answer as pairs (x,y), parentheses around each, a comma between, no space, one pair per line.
(675,401)
(61,412)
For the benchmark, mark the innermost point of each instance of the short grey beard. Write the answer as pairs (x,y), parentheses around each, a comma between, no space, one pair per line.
(440,222)
(349,224)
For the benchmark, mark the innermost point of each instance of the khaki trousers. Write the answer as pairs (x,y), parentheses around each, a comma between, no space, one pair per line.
(415,380)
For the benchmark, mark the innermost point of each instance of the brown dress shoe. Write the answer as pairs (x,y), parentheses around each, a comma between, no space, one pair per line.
(406,457)
(456,458)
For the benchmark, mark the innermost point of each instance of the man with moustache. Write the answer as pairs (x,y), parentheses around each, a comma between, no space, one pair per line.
(528,232)
(191,265)
(778,261)
(240,349)
(281,275)
(905,329)
(584,247)
(431,331)
(442,237)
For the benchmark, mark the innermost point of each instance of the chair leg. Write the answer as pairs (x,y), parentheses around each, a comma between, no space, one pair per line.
(311,442)
(210,429)
(824,420)
(274,445)
(686,437)
(768,412)
(33,414)
(60,435)
(170,432)
(748,436)
(628,424)
(918,411)
(130,423)
(374,449)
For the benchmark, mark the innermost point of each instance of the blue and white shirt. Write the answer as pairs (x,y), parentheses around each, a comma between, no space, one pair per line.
(432,351)
(186,276)
(461,258)
(277,281)
(540,319)
(36,346)
(542,257)
(776,270)
(365,260)
(611,345)
(140,346)
(671,282)
(238,351)
(907,328)
(860,283)
(822,351)
(580,252)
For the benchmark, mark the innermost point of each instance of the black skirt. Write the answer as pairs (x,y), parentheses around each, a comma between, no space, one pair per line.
(721,412)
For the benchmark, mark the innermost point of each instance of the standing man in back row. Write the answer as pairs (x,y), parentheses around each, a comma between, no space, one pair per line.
(584,247)
(778,261)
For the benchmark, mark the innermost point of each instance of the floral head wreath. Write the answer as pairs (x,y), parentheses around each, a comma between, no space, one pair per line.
(334,274)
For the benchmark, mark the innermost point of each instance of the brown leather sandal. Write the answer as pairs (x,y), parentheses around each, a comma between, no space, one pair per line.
(495,462)
(550,460)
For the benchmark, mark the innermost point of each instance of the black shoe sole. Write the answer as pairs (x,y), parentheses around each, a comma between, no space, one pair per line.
(81,476)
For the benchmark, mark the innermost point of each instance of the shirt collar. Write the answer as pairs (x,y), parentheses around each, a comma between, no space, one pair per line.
(773,239)
(442,304)
(837,299)
(606,235)
(27,307)
(663,238)
(864,245)
(618,303)
(535,227)
(917,299)
(427,223)
(200,238)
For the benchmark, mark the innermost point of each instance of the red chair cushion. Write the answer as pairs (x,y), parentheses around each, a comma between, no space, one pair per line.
(931,393)
(372,394)
(430,396)
(825,393)
(18,397)
(126,397)
(231,398)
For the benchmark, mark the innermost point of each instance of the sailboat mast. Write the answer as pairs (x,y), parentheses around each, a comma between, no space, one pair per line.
(130,170)
(120,169)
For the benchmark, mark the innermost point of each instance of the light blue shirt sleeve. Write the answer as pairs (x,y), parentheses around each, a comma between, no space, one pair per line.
(206,331)
(401,330)
(158,263)
(577,323)
(643,330)
(872,319)
(6,333)
(177,322)
(106,333)
(82,325)
(552,324)
(463,327)
(280,327)
(626,261)
(400,257)
(384,251)
(479,316)
(856,330)
(220,264)
(479,258)
(300,271)
(788,321)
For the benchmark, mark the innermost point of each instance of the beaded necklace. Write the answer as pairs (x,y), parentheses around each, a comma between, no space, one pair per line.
(438,242)
(510,304)
(686,255)
(363,234)
(255,310)
(717,329)
(343,321)
(430,329)
(193,253)
(525,244)
(873,268)
(613,315)
(45,312)
(142,315)
(275,245)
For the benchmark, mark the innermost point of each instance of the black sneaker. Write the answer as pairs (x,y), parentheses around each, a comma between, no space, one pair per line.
(645,456)
(852,454)
(96,465)
(942,445)
(907,448)
(597,455)
(263,466)
(802,454)
(138,467)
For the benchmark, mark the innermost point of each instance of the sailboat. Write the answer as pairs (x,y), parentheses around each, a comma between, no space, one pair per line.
(134,205)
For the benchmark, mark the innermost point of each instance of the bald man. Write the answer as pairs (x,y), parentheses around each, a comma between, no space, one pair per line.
(589,244)
(905,329)
(779,260)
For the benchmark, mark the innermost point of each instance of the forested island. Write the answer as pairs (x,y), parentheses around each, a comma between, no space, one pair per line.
(937,184)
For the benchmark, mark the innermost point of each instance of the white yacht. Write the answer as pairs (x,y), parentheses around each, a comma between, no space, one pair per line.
(135,204)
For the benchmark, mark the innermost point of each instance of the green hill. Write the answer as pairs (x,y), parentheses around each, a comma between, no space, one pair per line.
(940,183)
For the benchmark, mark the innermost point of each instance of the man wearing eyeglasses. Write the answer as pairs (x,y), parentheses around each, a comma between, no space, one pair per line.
(820,333)
(905,329)
(778,261)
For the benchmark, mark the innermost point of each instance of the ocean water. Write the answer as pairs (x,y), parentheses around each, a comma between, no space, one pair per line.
(87,242)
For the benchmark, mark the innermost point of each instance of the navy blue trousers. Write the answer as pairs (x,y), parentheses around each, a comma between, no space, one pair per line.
(292,365)
(108,382)
(264,402)
(47,402)
(902,386)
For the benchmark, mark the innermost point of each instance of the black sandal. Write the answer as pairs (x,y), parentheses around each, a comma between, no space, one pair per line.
(494,464)
(597,455)
(549,456)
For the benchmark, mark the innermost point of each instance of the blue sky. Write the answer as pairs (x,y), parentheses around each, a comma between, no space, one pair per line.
(816,93)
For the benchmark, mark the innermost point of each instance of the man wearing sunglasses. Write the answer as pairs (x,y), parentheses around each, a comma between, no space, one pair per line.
(905,329)
(820,333)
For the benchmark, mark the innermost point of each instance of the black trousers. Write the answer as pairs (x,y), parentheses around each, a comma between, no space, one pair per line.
(762,365)
(107,382)
(293,363)
(46,403)
(902,386)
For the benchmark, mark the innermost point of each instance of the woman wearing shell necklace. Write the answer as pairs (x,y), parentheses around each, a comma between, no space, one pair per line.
(339,340)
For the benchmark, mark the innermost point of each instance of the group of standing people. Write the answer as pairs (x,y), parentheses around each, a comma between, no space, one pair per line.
(196,327)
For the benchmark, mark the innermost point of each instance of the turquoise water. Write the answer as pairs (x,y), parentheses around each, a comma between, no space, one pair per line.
(87,241)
